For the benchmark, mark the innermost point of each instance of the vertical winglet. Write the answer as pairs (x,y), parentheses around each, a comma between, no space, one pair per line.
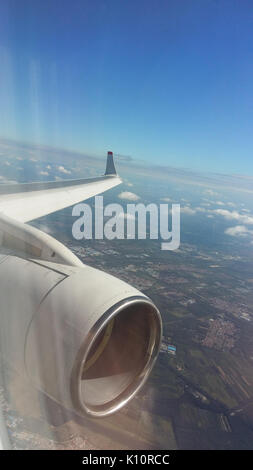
(110,168)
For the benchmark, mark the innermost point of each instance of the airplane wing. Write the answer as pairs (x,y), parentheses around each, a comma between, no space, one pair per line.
(28,201)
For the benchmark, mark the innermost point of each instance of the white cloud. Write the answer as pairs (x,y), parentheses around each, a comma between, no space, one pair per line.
(200,209)
(44,173)
(48,167)
(234,215)
(243,219)
(165,199)
(191,211)
(210,192)
(7,163)
(62,169)
(246,210)
(128,196)
(218,203)
(32,159)
(187,210)
(238,231)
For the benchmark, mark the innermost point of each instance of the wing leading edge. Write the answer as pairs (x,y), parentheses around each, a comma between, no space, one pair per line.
(28,201)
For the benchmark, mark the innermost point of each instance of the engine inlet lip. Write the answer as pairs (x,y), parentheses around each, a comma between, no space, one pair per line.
(76,375)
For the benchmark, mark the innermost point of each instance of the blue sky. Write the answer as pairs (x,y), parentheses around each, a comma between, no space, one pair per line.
(168,82)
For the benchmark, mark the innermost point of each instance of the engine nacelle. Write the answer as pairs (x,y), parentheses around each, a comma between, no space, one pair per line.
(85,338)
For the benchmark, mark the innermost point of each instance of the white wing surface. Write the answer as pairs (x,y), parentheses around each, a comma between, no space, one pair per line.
(28,201)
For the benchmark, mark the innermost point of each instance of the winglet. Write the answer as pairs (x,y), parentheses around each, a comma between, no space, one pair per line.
(110,168)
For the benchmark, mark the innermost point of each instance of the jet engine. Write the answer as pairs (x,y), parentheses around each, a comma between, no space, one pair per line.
(83,337)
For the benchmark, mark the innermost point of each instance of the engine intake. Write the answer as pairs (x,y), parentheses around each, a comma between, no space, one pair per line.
(119,357)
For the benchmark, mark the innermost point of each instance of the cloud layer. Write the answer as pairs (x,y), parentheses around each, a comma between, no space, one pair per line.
(128,196)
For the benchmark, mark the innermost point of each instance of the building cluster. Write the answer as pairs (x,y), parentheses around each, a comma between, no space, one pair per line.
(220,335)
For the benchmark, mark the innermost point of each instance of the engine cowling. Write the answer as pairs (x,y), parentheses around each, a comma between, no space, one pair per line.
(85,338)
